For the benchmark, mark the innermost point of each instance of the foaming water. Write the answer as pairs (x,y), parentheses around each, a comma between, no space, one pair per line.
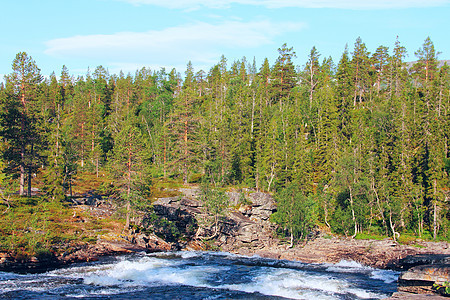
(202,275)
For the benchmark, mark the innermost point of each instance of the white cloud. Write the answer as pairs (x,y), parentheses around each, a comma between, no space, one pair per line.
(344,4)
(202,43)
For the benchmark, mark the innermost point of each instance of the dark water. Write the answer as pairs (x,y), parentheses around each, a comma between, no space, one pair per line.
(201,275)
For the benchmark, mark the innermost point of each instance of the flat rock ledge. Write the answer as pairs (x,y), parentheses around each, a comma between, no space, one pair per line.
(384,254)
(427,271)
(421,273)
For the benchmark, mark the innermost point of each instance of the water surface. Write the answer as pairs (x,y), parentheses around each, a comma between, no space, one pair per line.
(201,275)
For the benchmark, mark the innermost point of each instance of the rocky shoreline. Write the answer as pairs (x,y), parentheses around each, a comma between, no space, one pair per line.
(246,230)
(421,266)
(105,246)
(374,253)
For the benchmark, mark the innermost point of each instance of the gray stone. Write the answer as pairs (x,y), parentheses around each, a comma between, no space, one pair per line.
(420,279)
(234,197)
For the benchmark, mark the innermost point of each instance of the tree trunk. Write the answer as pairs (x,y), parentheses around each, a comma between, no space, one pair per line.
(30,173)
(29,181)
(353,212)
(325,209)
(22,176)
(435,225)
(395,234)
(185,171)
(165,156)
(70,186)
(356,84)
(292,239)
(82,144)
(22,153)
(96,166)
(379,206)
(127,223)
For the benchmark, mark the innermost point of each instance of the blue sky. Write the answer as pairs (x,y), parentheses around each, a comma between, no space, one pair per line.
(130,34)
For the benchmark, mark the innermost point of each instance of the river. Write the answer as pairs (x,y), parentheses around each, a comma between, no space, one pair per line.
(201,275)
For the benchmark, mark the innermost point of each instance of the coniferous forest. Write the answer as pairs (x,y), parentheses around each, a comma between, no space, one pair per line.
(360,145)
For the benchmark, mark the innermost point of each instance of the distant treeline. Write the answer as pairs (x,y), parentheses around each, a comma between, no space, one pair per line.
(364,141)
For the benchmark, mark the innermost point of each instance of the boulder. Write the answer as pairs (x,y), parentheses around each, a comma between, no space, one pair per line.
(422,259)
(234,197)
(420,279)
(262,200)
(89,198)
(151,243)
(263,205)
(190,203)
(246,210)
(190,192)
(172,221)
(246,226)
(166,201)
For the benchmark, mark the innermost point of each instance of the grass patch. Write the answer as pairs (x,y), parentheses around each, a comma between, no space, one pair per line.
(369,236)
(33,225)
(407,239)
(37,227)
(165,188)
(89,181)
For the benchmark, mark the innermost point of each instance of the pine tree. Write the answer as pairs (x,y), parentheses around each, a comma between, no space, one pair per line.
(344,87)
(182,125)
(283,77)
(397,72)
(361,65)
(380,59)
(129,161)
(425,71)
(312,73)
(20,127)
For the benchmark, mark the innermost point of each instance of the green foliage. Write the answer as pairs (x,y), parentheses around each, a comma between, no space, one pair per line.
(443,289)
(215,201)
(162,227)
(296,214)
(129,169)
(34,226)
(341,221)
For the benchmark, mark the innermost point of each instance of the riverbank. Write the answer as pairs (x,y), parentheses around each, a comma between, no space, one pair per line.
(244,230)
(384,254)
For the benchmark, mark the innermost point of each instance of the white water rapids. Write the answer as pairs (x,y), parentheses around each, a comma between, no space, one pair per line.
(201,275)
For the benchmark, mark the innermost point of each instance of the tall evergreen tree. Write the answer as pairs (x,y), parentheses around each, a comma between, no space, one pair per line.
(21,128)
(182,125)
(283,77)
(129,166)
